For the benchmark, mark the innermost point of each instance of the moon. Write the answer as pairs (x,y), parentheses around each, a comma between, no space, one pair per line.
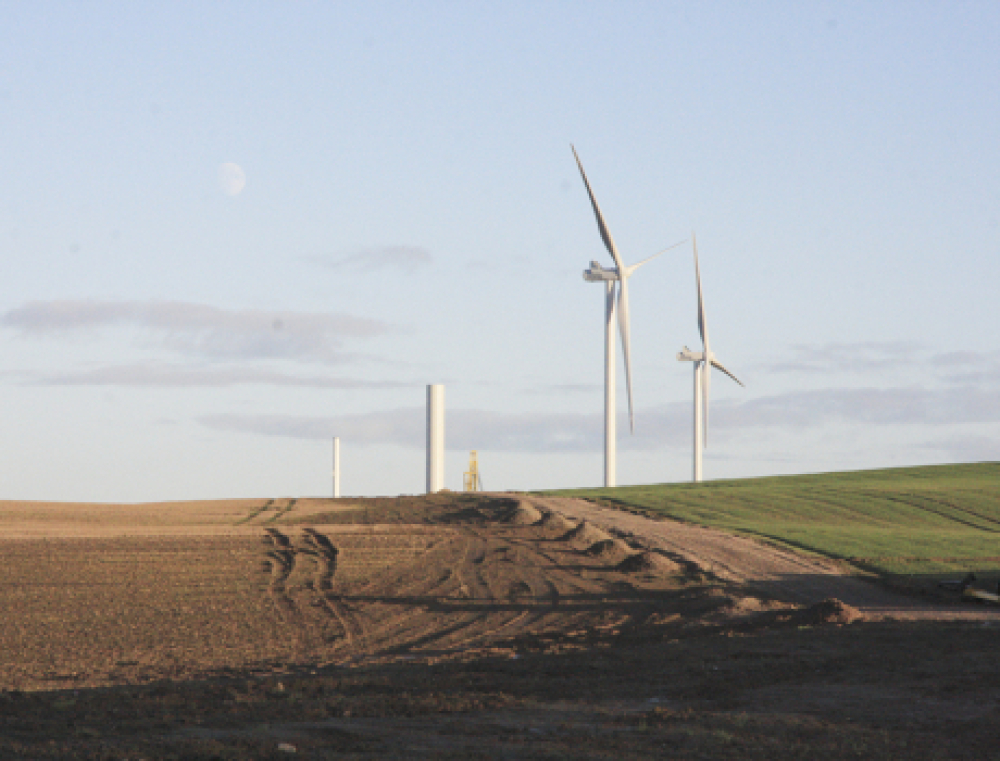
(232,179)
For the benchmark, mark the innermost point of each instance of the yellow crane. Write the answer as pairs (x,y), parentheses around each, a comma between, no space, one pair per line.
(472,480)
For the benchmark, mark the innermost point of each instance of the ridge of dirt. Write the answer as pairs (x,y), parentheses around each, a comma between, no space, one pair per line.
(557,522)
(769,570)
(648,562)
(524,514)
(609,549)
(586,534)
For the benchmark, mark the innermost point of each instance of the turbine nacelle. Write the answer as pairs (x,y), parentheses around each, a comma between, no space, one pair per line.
(686,355)
(597,274)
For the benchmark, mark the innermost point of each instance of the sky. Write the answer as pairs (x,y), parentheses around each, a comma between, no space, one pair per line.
(231,231)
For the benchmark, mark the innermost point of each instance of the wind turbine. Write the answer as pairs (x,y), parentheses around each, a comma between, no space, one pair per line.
(620,274)
(703,361)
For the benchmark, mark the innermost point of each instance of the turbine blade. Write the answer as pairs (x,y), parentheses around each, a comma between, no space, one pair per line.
(633,267)
(706,354)
(623,328)
(609,242)
(706,382)
(702,323)
(718,366)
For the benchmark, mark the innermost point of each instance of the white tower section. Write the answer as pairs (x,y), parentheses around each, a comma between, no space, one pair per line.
(336,467)
(435,438)
(699,442)
(610,371)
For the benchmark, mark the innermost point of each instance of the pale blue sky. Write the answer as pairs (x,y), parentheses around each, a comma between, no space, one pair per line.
(412,214)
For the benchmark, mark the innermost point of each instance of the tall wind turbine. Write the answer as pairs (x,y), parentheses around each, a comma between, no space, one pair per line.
(703,361)
(620,274)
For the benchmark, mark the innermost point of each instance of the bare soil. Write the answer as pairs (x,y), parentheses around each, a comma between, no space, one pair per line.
(453,627)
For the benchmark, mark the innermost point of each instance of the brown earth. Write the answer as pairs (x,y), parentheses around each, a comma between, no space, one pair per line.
(435,627)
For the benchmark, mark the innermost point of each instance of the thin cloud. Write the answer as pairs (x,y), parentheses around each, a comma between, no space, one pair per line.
(668,426)
(967,358)
(170,375)
(401,426)
(565,388)
(971,448)
(969,367)
(202,330)
(864,356)
(406,258)
(881,406)
(467,429)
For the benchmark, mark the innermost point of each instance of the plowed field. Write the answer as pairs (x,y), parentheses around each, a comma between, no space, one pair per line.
(106,609)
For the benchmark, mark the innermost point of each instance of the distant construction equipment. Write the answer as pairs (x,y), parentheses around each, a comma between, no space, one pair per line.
(471,480)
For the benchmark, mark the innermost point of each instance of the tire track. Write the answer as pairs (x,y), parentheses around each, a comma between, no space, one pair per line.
(392,624)
(326,555)
(314,559)
(543,594)
(367,620)
(281,564)
(456,618)
(473,588)
(499,616)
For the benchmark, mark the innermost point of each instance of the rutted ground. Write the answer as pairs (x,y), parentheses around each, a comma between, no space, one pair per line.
(105,609)
(368,593)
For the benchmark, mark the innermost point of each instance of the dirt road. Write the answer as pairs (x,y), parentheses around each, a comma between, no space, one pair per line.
(773,571)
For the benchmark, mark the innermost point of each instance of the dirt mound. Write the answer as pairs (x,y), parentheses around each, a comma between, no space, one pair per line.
(557,522)
(586,534)
(830,611)
(609,549)
(648,562)
(743,606)
(525,514)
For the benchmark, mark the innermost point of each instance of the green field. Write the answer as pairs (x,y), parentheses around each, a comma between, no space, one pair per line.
(925,520)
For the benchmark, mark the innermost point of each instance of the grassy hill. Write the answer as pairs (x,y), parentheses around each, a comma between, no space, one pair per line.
(932,519)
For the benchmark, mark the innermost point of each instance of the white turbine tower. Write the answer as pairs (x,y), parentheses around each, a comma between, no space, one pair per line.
(703,362)
(619,274)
